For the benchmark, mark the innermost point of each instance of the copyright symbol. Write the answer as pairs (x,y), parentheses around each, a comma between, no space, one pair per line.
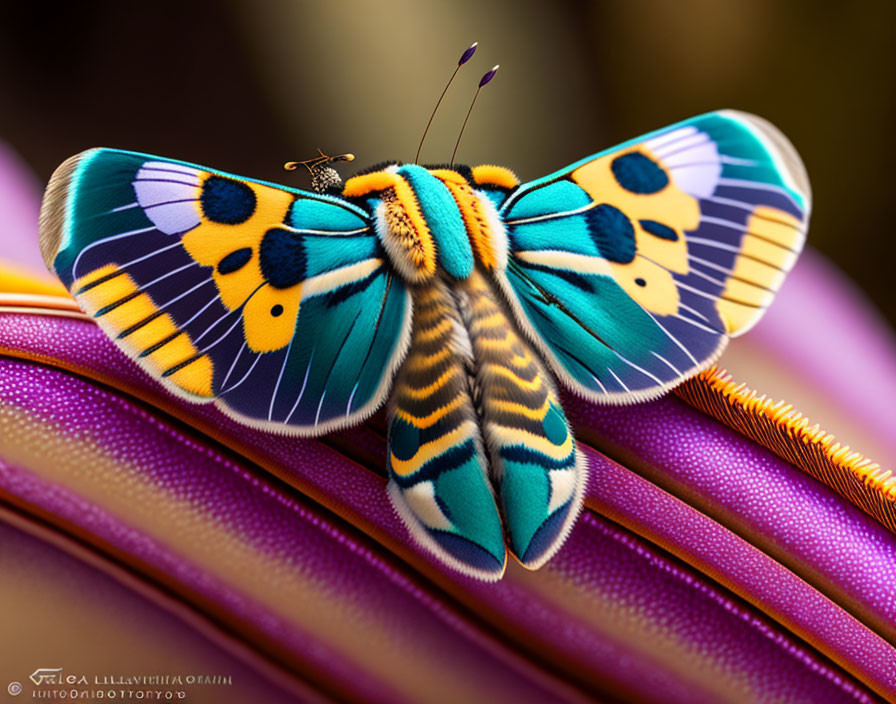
(15,688)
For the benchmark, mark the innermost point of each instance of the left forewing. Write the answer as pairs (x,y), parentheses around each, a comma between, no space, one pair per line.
(275,303)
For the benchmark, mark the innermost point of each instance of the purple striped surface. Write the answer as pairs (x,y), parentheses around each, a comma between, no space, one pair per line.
(702,607)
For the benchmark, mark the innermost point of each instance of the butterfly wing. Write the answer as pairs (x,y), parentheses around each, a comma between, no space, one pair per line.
(631,268)
(277,304)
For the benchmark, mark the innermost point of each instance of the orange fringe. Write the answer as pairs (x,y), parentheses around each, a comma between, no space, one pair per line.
(786,432)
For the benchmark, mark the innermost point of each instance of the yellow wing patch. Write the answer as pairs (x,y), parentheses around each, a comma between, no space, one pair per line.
(134,321)
(647,278)
(210,242)
(776,226)
(649,284)
(769,249)
(670,206)
(269,318)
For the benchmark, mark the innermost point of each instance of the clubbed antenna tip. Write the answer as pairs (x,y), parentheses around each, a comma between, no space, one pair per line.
(489,75)
(468,54)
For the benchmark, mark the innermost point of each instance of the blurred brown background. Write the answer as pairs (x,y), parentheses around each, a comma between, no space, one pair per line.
(245,85)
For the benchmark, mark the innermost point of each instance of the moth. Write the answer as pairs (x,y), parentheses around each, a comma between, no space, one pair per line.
(459,295)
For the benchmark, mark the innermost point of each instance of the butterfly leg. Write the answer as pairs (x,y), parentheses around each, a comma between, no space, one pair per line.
(438,468)
(540,474)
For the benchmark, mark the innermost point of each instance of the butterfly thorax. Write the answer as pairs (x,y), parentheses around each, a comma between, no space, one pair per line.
(436,219)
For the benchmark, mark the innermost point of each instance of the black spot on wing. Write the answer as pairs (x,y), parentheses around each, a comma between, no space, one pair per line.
(234,261)
(226,201)
(612,232)
(638,173)
(282,258)
(657,229)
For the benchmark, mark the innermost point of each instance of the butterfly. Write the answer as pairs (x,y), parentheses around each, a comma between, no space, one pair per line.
(458,296)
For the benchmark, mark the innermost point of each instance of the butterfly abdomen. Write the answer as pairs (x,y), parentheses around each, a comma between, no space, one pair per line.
(445,235)
(538,472)
(473,412)
(437,461)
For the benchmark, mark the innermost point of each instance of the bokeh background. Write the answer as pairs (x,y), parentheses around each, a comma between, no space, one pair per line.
(245,85)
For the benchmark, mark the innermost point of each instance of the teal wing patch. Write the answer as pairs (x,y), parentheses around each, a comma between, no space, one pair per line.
(277,304)
(631,268)
(438,468)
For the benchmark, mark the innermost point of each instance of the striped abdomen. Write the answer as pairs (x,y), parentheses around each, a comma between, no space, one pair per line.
(539,474)
(437,462)
(474,417)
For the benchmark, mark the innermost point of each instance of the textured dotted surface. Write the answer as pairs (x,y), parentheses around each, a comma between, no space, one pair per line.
(699,540)
(269,560)
(691,624)
(609,611)
(802,523)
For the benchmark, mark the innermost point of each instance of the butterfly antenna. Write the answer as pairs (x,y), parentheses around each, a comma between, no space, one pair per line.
(317,161)
(466,56)
(484,81)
